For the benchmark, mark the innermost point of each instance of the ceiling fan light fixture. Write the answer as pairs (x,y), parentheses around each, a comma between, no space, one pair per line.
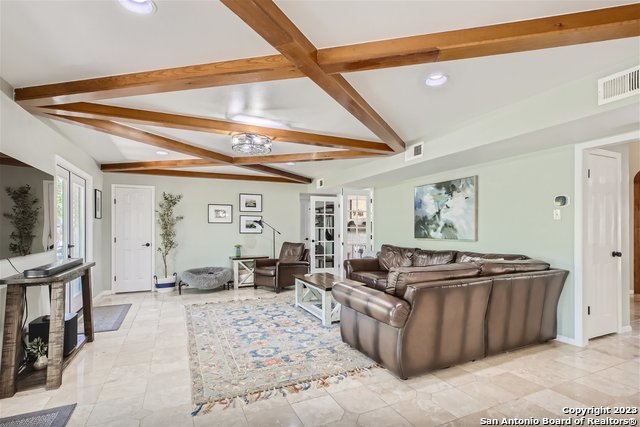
(436,79)
(141,7)
(251,144)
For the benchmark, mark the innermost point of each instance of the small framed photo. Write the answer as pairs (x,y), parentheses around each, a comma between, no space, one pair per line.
(97,199)
(220,214)
(250,202)
(248,224)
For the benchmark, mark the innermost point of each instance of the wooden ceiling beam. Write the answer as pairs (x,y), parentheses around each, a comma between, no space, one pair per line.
(209,175)
(304,157)
(266,19)
(176,121)
(521,36)
(134,134)
(241,71)
(158,164)
(249,160)
(148,138)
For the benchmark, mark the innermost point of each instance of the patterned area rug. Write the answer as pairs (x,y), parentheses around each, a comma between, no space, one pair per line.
(54,417)
(254,349)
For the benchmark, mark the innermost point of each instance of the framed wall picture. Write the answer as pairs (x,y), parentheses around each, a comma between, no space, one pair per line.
(250,202)
(248,225)
(220,214)
(446,210)
(97,200)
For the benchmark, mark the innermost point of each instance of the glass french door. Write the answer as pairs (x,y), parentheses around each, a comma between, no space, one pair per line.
(324,235)
(71,227)
(357,219)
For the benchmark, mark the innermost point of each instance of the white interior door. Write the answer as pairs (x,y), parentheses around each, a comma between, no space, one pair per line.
(133,247)
(71,227)
(324,248)
(602,278)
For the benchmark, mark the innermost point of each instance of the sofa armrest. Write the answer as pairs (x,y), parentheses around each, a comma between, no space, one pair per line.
(360,264)
(292,263)
(383,307)
(266,262)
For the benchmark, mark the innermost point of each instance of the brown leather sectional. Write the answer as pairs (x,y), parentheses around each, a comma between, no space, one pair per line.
(417,310)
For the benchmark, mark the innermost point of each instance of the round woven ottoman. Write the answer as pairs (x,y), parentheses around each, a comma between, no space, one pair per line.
(205,278)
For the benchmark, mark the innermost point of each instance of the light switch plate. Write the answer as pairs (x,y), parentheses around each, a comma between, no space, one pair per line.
(556,214)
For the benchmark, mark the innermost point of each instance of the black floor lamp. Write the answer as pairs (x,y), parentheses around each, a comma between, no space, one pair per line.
(262,223)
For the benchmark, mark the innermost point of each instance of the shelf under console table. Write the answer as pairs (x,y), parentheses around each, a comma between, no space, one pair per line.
(10,380)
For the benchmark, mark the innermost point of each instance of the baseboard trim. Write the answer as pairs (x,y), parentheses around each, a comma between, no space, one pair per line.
(567,340)
(625,329)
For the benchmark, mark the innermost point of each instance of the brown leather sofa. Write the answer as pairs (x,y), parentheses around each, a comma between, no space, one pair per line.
(433,315)
(277,273)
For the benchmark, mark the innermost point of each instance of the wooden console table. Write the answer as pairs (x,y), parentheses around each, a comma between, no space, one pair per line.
(10,380)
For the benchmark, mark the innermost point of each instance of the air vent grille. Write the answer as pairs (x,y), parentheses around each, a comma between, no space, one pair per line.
(619,86)
(414,151)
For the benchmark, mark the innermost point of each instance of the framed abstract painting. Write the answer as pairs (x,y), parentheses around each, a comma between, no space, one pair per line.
(446,210)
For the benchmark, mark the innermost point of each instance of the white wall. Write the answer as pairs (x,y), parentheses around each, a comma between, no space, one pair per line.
(30,140)
(200,243)
(515,214)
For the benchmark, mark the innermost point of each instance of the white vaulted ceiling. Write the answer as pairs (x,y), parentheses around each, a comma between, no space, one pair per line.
(44,42)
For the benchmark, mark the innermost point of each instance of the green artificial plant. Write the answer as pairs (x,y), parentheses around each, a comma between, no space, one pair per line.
(23,217)
(37,347)
(167,219)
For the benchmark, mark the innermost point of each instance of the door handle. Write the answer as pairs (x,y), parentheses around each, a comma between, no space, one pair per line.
(616,254)
(71,246)
(147,244)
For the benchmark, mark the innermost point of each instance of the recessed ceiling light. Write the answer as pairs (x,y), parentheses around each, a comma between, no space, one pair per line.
(162,153)
(291,163)
(257,121)
(436,79)
(141,7)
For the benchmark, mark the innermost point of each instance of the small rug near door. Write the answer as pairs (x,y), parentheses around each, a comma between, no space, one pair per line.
(107,317)
(255,349)
(54,417)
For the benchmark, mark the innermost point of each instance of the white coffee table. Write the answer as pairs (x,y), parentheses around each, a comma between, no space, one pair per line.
(313,294)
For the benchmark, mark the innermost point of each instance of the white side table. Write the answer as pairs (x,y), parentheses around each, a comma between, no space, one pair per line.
(244,263)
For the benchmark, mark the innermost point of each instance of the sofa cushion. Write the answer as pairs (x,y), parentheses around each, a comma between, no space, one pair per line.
(374,279)
(491,267)
(476,256)
(423,257)
(399,278)
(394,256)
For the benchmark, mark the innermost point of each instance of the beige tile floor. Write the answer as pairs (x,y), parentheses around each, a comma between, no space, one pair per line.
(138,376)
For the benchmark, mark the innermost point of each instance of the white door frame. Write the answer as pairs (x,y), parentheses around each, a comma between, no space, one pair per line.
(113,230)
(580,306)
(89,220)
(337,238)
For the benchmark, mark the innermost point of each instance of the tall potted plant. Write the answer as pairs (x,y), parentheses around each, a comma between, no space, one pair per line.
(167,220)
(23,217)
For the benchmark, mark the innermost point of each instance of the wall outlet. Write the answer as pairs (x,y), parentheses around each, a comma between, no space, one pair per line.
(556,214)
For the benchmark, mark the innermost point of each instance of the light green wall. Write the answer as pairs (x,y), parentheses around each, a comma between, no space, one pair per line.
(515,214)
(200,243)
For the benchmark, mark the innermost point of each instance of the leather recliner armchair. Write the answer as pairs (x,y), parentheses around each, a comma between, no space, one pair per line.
(277,273)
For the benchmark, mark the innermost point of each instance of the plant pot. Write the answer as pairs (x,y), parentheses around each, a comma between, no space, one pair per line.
(238,252)
(40,363)
(165,284)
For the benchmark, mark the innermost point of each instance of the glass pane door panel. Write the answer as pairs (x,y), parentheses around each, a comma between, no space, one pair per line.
(358,231)
(62,213)
(77,236)
(324,234)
